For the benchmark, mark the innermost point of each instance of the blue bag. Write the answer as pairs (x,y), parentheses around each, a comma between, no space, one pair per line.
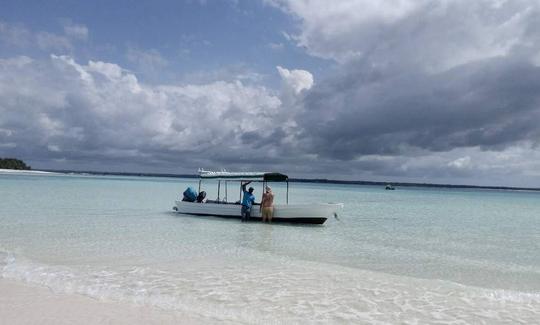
(190,194)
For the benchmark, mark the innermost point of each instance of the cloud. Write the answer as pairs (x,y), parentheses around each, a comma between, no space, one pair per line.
(419,90)
(296,80)
(418,77)
(461,163)
(58,108)
(150,58)
(18,36)
(435,35)
(76,31)
(61,112)
(229,73)
(365,111)
(149,63)
(276,46)
(52,42)
(14,34)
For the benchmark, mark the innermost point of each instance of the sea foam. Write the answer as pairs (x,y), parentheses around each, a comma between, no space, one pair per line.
(278,288)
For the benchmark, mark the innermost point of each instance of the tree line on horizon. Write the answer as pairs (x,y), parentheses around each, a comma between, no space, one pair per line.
(13,163)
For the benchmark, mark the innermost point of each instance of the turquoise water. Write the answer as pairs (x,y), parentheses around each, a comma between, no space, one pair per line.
(412,255)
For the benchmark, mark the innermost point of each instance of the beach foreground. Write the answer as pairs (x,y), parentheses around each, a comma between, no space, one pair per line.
(21,303)
(340,297)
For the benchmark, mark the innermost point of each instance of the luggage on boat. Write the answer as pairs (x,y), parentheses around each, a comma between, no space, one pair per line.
(190,195)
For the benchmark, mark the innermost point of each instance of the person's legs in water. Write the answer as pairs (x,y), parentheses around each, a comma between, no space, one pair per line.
(267,214)
(246,213)
(270,214)
(243,213)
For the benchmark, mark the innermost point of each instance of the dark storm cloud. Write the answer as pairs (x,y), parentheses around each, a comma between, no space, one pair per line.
(419,77)
(489,104)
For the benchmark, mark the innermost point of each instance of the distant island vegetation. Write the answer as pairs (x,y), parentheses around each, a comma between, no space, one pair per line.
(314,180)
(12,163)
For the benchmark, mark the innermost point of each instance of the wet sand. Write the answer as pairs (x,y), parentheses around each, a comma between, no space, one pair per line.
(24,304)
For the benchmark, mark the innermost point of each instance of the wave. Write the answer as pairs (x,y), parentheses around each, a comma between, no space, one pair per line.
(278,289)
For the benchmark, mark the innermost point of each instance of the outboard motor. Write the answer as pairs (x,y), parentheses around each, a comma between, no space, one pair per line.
(201,197)
(190,195)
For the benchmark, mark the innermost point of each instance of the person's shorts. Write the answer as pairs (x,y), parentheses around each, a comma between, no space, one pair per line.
(267,212)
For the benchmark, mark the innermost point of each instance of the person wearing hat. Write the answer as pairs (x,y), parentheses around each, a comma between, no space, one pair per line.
(247,202)
(267,204)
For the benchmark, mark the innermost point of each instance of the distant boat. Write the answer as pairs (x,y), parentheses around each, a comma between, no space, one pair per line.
(389,187)
(314,213)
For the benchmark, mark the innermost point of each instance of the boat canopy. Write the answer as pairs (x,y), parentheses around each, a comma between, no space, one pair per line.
(244,176)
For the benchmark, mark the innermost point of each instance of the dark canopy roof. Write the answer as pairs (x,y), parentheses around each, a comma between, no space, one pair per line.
(275,177)
(244,176)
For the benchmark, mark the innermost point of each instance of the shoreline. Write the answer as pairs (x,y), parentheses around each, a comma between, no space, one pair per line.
(28,172)
(28,303)
(22,303)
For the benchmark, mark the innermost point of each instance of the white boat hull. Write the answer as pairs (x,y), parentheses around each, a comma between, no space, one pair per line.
(316,213)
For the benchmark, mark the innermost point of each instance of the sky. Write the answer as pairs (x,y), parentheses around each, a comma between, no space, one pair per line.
(434,91)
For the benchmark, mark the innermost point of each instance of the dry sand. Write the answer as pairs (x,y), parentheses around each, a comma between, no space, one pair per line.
(24,172)
(24,304)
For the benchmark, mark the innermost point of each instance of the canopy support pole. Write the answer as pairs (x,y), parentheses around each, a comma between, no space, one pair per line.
(287,191)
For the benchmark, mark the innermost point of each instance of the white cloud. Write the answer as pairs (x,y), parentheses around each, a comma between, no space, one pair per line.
(18,61)
(148,63)
(276,46)
(150,59)
(20,36)
(460,163)
(229,73)
(296,80)
(76,31)
(433,35)
(15,35)
(52,42)
(101,110)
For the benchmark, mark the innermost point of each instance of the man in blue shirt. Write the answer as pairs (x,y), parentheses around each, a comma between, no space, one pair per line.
(247,202)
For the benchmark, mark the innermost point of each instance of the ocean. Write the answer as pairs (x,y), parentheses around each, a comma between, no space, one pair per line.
(413,255)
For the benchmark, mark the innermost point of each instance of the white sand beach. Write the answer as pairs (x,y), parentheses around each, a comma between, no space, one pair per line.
(24,304)
(22,172)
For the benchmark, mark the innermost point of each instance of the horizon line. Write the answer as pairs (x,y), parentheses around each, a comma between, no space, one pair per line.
(312,180)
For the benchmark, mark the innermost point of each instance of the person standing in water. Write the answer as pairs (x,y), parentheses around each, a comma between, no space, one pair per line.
(267,205)
(247,202)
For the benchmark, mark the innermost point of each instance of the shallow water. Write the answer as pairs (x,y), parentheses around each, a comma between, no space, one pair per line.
(410,255)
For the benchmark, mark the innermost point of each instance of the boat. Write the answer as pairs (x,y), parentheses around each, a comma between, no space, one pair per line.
(389,187)
(311,213)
